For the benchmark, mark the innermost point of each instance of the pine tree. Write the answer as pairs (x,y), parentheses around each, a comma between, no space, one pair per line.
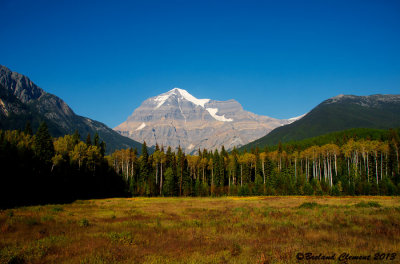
(88,140)
(96,141)
(28,129)
(144,164)
(145,154)
(181,163)
(102,148)
(44,148)
(76,137)
(169,186)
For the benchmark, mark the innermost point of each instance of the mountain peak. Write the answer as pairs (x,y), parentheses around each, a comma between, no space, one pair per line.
(177,90)
(180,94)
(20,85)
(177,118)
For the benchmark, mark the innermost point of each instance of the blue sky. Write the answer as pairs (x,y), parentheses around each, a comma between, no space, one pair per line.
(277,58)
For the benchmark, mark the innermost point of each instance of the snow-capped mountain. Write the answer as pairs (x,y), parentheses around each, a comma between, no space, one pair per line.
(177,118)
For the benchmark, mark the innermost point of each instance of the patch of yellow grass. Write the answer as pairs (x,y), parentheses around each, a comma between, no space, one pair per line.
(271,229)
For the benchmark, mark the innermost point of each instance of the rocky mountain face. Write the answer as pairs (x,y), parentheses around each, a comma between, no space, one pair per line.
(176,118)
(22,101)
(336,114)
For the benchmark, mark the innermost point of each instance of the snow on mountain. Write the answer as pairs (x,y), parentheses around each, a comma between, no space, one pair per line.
(177,118)
(183,94)
(141,127)
(293,119)
(213,113)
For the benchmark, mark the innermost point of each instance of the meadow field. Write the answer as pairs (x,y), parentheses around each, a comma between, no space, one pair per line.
(205,230)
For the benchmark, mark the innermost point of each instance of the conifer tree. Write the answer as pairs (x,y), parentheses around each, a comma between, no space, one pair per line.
(102,148)
(181,163)
(96,141)
(76,137)
(28,129)
(88,140)
(169,185)
(145,154)
(144,164)
(44,148)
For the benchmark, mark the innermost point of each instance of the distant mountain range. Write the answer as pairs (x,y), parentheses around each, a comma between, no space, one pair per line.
(338,113)
(177,118)
(22,101)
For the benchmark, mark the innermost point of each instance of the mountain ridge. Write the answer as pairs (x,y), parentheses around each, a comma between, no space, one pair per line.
(22,101)
(336,114)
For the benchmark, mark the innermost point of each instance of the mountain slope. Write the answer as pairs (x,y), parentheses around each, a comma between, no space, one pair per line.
(176,118)
(336,114)
(21,101)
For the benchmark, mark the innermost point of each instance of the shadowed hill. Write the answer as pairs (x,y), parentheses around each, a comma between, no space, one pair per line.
(338,113)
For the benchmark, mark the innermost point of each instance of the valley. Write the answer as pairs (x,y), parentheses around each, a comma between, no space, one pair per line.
(200,132)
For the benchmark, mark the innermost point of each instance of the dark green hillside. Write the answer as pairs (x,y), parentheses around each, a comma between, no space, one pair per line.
(339,138)
(337,114)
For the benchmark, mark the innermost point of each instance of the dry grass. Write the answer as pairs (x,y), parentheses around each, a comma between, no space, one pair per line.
(201,230)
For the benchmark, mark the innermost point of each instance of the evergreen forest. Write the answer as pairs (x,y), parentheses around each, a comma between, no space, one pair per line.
(37,168)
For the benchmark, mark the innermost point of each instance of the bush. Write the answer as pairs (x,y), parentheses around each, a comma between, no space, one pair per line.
(84,222)
(317,187)
(308,189)
(121,238)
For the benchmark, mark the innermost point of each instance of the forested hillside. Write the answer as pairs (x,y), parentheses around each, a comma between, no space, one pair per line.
(336,114)
(39,169)
(339,138)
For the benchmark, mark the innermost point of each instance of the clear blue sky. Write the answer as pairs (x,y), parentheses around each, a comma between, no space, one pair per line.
(277,58)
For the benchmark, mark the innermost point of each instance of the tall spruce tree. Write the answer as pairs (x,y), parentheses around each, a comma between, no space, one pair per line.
(76,137)
(96,140)
(28,129)
(144,163)
(88,140)
(44,148)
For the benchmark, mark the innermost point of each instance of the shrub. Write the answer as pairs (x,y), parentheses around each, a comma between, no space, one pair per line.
(84,222)
(121,238)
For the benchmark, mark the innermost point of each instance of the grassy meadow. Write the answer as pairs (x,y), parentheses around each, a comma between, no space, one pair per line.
(202,230)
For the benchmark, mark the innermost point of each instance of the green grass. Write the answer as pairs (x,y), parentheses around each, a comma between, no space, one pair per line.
(200,230)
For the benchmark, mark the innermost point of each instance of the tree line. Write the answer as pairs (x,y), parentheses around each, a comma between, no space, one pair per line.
(36,168)
(39,169)
(354,167)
